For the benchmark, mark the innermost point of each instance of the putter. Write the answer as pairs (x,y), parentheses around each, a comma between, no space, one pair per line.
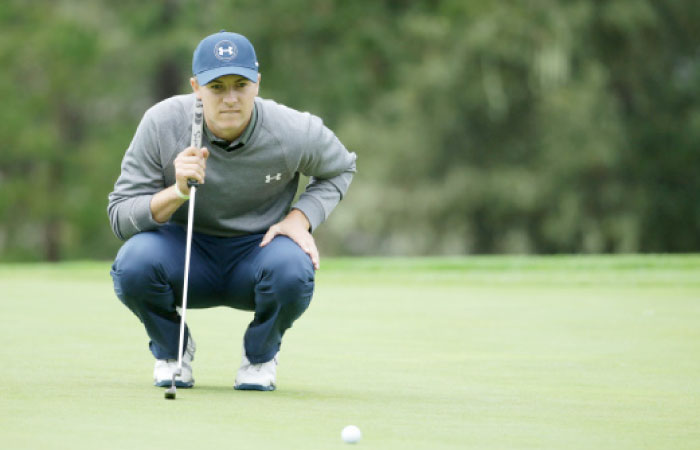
(196,141)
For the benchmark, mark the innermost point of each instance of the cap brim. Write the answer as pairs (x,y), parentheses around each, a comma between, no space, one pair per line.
(209,75)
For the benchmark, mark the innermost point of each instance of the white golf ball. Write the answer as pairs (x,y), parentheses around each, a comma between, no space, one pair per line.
(351,434)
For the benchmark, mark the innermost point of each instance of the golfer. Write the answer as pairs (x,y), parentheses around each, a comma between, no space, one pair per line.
(252,247)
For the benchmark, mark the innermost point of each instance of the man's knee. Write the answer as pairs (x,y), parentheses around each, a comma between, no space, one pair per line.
(138,266)
(288,271)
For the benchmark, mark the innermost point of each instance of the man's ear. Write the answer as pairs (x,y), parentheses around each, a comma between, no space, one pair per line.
(195,87)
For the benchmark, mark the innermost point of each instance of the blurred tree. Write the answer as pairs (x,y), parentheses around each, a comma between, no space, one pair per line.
(50,72)
(540,127)
(652,53)
(547,126)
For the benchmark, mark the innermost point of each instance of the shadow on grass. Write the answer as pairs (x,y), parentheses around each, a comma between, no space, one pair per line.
(291,393)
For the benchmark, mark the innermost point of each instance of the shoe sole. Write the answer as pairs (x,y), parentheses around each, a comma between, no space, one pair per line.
(168,383)
(253,387)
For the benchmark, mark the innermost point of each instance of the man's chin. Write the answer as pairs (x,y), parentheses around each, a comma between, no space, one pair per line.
(227,128)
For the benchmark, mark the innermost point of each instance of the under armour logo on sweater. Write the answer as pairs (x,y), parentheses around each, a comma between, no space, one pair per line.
(269,178)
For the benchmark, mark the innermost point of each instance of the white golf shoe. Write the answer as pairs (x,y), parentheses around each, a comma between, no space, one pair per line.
(164,369)
(256,377)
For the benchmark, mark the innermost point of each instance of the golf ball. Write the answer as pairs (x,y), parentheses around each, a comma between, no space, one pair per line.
(351,434)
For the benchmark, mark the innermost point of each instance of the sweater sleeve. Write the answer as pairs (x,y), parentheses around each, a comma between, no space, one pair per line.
(331,168)
(129,207)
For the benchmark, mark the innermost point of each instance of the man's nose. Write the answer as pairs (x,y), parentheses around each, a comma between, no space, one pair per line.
(230,96)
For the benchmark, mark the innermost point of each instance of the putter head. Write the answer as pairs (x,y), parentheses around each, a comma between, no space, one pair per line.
(171,393)
(172,390)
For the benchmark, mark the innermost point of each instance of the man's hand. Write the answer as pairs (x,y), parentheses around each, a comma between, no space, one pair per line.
(296,227)
(190,164)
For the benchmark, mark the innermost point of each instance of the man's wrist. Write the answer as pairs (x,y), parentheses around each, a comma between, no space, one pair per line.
(180,194)
(299,216)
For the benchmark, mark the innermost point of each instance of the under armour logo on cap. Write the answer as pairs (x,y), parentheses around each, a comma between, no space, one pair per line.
(225,50)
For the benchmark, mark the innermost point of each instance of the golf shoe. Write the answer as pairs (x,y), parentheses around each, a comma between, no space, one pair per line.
(164,369)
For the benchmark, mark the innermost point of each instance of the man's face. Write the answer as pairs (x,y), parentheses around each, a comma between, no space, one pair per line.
(228,104)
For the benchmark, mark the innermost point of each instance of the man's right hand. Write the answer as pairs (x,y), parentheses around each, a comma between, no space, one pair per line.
(190,164)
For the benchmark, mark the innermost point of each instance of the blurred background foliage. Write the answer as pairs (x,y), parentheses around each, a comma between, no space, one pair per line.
(547,126)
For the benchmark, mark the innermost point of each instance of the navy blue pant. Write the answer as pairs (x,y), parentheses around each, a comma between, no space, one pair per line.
(275,281)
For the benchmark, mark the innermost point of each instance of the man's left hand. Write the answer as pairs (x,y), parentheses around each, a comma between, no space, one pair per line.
(296,227)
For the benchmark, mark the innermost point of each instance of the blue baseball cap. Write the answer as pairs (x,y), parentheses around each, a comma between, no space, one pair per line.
(224,53)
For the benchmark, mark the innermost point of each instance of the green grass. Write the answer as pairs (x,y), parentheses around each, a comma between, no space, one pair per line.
(481,352)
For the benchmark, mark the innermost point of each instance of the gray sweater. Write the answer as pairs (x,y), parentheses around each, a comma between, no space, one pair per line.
(246,190)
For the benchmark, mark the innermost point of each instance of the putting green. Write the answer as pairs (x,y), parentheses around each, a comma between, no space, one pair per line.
(481,352)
